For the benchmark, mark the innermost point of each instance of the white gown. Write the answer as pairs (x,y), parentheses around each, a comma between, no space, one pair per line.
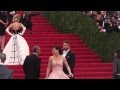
(16,50)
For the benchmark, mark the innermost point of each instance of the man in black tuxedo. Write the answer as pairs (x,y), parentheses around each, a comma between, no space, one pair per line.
(5,72)
(32,64)
(26,20)
(70,57)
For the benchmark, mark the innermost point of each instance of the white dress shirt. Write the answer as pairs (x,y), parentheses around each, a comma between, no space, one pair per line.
(35,54)
(65,53)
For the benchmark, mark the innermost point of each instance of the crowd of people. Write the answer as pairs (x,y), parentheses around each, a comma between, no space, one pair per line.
(8,17)
(106,21)
(16,51)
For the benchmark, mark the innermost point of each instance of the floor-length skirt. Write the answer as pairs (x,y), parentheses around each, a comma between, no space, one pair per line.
(16,50)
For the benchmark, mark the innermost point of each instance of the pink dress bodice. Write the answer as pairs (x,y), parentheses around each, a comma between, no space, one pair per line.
(57,71)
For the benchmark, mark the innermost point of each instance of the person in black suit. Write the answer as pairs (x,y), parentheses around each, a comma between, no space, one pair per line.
(3,24)
(31,65)
(26,20)
(5,72)
(116,70)
(70,57)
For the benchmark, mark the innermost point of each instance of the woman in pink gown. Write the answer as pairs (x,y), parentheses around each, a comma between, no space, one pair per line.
(56,64)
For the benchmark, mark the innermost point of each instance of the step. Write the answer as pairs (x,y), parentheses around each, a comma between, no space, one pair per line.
(94,74)
(44,32)
(40,21)
(47,39)
(41,24)
(34,33)
(22,76)
(18,76)
(38,18)
(45,61)
(87,56)
(88,61)
(14,66)
(38,33)
(51,45)
(76,70)
(54,42)
(106,69)
(44,29)
(43,77)
(105,77)
(54,38)
(91,75)
(20,71)
(72,49)
(49,49)
(93,65)
(78,56)
(85,65)
(80,70)
(76,53)
(50,35)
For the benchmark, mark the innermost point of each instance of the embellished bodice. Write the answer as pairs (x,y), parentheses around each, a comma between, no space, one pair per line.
(57,66)
(16,31)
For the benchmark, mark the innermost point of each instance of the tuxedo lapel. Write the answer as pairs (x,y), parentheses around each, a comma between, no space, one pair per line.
(68,55)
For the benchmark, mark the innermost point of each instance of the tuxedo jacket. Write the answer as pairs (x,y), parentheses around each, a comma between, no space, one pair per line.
(70,57)
(31,67)
(5,72)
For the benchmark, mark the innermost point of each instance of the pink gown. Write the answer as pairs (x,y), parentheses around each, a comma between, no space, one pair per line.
(57,71)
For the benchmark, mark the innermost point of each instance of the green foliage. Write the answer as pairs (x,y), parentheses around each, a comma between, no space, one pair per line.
(75,22)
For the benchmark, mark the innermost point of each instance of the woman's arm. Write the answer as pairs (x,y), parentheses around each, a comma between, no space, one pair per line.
(24,29)
(3,22)
(7,30)
(49,67)
(67,66)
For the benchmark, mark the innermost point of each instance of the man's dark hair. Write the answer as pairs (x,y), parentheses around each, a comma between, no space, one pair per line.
(58,48)
(66,41)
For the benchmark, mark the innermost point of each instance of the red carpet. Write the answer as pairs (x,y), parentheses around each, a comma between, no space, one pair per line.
(88,64)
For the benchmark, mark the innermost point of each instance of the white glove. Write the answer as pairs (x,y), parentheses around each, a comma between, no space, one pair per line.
(11,34)
(70,75)
(21,34)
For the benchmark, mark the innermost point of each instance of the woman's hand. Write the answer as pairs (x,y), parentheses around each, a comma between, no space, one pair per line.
(70,75)
(21,34)
(11,34)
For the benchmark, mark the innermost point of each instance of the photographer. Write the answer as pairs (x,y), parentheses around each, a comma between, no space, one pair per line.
(114,26)
(107,25)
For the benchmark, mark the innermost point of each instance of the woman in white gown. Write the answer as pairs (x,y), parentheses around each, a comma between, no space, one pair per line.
(17,48)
